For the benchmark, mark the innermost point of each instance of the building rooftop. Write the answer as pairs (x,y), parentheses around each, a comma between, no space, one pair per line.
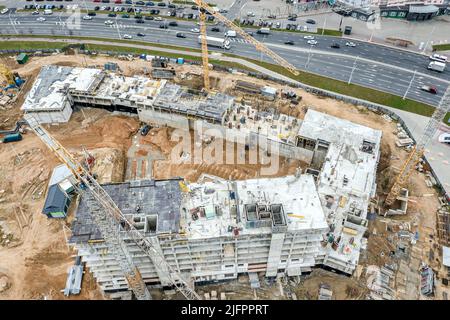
(153,205)
(347,179)
(49,91)
(217,207)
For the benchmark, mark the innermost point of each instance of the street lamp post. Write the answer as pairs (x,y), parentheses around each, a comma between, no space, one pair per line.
(353,69)
(410,84)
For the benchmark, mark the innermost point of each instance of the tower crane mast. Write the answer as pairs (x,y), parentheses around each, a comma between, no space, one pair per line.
(418,150)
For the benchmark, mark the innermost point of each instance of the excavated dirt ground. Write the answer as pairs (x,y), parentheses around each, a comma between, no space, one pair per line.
(35,258)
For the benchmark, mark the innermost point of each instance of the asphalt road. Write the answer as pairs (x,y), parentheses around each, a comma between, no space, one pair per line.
(382,68)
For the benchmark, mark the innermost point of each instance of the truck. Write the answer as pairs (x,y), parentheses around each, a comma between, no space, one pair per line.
(12,137)
(230,34)
(263,31)
(437,66)
(48,11)
(216,42)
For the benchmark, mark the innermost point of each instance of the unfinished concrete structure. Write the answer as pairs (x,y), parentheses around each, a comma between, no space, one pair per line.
(216,229)
(163,103)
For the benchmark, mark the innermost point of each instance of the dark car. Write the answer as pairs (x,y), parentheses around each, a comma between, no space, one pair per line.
(215,29)
(292,18)
(92,14)
(336,45)
(138,17)
(129,1)
(125,16)
(311,21)
(140,3)
(140,34)
(173,24)
(181,35)
(163,26)
(194,8)
(145,129)
(140,21)
(112,15)
(149,18)
(96,8)
(289,42)
(161,4)
(150,4)
(429,89)
(172,6)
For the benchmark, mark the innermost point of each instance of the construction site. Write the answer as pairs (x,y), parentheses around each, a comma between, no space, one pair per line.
(120,180)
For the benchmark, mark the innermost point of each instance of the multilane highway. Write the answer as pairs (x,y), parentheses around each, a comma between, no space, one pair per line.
(379,67)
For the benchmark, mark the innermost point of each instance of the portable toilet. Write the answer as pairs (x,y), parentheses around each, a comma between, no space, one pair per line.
(180,61)
(22,58)
(143,56)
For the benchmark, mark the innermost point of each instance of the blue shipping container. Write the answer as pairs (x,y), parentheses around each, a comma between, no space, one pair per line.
(12,137)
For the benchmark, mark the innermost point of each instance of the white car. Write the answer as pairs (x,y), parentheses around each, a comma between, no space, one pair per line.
(350,44)
(438,57)
(109,22)
(308,37)
(195,30)
(312,42)
(41,19)
(87,18)
(4,11)
(250,14)
(103,8)
(444,138)
(127,36)
(158,19)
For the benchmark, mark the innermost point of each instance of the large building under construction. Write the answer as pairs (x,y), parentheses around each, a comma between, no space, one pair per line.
(216,229)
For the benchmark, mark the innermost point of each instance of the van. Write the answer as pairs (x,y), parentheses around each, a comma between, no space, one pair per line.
(48,11)
(438,57)
(230,34)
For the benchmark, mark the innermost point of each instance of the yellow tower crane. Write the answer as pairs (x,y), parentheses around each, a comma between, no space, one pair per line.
(203,7)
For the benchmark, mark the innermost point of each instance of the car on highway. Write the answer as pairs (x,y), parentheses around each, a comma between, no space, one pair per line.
(335,45)
(140,34)
(87,18)
(35,13)
(308,37)
(126,16)
(250,33)
(292,19)
(350,44)
(181,35)
(91,14)
(429,89)
(312,42)
(163,26)
(40,19)
(173,24)
(161,4)
(195,30)
(149,18)
(140,21)
(112,15)
(311,21)
(444,138)
(109,22)
(289,42)
(215,29)
(438,57)
(4,11)
(140,3)
(158,19)
(127,36)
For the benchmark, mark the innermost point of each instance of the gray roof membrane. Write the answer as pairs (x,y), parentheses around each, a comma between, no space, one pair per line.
(140,198)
